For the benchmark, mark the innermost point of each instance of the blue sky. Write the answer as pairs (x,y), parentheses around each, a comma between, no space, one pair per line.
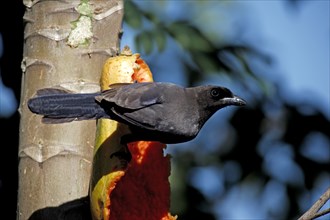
(8,102)
(299,40)
(296,37)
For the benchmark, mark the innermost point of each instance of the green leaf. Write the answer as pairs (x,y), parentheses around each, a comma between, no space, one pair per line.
(143,41)
(189,37)
(205,62)
(132,15)
(159,36)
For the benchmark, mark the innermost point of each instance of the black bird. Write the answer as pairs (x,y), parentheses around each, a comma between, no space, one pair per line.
(155,111)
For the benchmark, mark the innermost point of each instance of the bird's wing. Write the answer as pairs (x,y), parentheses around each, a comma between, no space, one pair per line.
(144,118)
(132,96)
(140,104)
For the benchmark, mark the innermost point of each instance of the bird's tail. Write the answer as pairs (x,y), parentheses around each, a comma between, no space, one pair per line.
(59,106)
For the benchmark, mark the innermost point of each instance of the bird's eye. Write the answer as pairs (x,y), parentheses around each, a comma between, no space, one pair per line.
(215,93)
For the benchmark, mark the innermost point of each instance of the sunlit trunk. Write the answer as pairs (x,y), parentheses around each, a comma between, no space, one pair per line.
(65,44)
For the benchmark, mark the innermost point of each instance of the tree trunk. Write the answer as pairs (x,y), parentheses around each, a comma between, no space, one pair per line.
(55,159)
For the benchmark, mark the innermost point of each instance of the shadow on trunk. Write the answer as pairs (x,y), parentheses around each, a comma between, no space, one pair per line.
(77,209)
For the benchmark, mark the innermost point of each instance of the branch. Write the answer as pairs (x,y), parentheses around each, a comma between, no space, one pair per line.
(313,213)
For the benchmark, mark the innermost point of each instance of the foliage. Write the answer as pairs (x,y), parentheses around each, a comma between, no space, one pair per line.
(205,57)
(272,132)
(269,144)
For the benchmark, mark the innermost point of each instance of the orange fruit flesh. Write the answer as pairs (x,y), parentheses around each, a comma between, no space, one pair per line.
(142,190)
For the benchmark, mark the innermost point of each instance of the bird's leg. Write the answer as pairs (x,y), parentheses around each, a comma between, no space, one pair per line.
(127,138)
(121,152)
(123,155)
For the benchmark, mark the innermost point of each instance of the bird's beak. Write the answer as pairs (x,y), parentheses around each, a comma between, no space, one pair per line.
(235,100)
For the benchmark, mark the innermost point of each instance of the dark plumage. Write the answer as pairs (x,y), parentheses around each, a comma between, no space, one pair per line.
(156,111)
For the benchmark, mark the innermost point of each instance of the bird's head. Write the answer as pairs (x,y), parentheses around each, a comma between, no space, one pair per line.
(213,98)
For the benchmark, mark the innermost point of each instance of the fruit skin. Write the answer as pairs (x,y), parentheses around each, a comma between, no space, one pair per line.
(120,189)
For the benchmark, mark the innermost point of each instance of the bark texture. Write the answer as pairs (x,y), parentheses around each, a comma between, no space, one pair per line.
(55,160)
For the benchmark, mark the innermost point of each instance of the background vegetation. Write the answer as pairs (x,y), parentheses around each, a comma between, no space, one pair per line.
(268,160)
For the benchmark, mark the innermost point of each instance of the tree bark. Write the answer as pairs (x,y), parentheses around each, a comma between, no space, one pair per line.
(55,159)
